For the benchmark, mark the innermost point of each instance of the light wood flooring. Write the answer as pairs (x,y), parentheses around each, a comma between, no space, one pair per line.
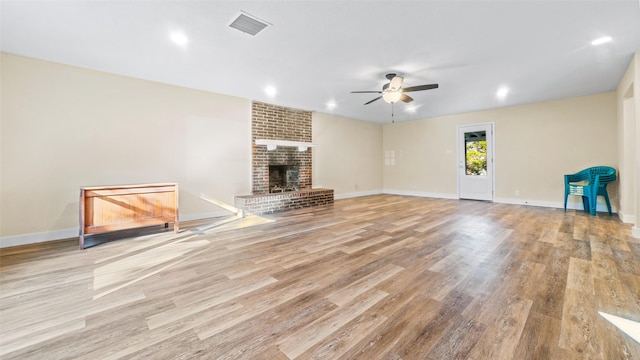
(377,277)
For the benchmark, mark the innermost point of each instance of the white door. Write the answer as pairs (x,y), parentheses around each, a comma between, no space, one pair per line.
(475,162)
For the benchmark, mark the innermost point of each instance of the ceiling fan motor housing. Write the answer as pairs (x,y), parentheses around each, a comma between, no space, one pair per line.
(393,91)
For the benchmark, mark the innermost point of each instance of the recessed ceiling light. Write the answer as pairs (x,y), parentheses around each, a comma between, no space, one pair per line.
(502,92)
(179,38)
(331,105)
(270,91)
(412,109)
(601,40)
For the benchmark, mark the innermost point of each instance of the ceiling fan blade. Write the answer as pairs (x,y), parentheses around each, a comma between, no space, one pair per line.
(366,92)
(406,98)
(396,82)
(420,87)
(369,102)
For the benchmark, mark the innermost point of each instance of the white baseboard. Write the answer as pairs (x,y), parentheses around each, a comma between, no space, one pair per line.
(627,218)
(9,241)
(573,204)
(17,240)
(357,194)
(420,194)
(549,204)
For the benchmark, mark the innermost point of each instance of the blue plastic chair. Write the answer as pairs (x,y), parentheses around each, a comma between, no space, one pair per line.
(589,183)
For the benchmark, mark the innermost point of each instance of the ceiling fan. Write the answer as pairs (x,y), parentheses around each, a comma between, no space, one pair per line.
(393,91)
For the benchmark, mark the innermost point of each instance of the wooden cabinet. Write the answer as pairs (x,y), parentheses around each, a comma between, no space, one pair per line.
(111,208)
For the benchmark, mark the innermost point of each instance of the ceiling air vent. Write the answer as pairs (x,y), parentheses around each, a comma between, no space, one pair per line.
(248,24)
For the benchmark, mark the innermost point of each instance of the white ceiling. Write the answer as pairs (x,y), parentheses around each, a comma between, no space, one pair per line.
(317,52)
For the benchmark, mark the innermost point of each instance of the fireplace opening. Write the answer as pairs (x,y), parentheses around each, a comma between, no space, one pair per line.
(284,178)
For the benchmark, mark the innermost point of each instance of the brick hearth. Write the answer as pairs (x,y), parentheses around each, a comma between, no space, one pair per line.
(270,203)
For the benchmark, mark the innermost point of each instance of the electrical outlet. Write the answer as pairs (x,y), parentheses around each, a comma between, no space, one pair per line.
(355,187)
(517,192)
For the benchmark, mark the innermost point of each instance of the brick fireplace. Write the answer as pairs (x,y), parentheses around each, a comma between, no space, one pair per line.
(290,166)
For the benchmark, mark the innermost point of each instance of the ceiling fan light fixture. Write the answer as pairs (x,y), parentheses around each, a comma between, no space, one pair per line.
(391,96)
(396,83)
(392,92)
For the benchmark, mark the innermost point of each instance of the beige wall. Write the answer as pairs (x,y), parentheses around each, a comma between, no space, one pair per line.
(535,145)
(64,127)
(348,156)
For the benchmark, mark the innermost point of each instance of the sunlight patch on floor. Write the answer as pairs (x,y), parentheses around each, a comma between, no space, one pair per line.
(146,259)
(629,327)
(235,223)
(138,266)
(143,242)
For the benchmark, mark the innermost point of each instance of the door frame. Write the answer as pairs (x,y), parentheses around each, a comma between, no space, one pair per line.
(460,170)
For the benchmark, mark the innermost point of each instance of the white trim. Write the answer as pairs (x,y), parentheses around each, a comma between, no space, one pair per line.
(46,236)
(549,204)
(421,194)
(492,125)
(357,194)
(627,218)
(9,241)
(635,232)
(273,144)
(34,238)
(572,203)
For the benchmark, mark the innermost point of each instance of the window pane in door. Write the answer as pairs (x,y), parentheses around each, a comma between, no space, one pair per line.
(476,153)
